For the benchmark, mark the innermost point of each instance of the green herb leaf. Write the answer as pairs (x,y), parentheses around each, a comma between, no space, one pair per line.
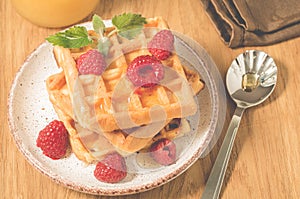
(129,25)
(75,37)
(98,24)
(104,45)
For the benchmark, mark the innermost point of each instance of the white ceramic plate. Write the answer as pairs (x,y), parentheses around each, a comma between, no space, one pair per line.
(30,110)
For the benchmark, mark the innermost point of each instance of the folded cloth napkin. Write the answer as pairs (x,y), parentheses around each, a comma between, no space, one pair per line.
(254,22)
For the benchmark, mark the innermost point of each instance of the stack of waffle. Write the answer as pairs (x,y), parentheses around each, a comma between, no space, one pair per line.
(104,113)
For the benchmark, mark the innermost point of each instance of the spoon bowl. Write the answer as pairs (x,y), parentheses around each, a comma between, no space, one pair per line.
(250,80)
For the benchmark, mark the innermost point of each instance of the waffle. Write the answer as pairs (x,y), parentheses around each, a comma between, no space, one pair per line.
(92,107)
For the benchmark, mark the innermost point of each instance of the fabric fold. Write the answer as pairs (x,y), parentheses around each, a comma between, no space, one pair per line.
(254,23)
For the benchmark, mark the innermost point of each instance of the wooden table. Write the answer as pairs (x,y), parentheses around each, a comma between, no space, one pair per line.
(265,162)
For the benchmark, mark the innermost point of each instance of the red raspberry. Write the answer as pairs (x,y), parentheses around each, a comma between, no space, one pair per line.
(145,71)
(53,140)
(161,44)
(163,151)
(91,62)
(111,169)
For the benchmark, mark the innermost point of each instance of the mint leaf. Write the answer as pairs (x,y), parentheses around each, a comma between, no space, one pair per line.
(129,25)
(104,45)
(75,37)
(98,24)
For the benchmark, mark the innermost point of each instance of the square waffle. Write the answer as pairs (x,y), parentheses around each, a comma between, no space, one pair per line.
(84,109)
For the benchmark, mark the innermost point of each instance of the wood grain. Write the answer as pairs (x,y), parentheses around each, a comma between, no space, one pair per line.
(265,162)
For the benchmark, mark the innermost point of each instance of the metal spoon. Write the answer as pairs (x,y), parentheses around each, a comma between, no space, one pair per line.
(250,80)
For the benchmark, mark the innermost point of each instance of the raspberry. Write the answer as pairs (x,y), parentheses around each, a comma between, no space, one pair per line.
(145,71)
(111,169)
(53,140)
(161,44)
(163,151)
(91,62)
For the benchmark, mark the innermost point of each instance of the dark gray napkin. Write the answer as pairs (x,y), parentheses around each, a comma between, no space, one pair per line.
(254,22)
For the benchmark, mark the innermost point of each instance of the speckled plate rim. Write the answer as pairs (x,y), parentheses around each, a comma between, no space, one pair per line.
(98,190)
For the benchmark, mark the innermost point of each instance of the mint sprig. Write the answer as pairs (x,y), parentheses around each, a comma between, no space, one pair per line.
(127,25)
(98,24)
(74,37)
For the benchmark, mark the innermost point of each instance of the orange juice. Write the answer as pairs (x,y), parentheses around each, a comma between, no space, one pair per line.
(54,13)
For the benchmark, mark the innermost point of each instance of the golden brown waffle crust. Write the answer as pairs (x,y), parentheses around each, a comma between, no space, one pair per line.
(60,88)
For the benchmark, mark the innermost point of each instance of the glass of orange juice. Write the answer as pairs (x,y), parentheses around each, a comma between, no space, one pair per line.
(54,13)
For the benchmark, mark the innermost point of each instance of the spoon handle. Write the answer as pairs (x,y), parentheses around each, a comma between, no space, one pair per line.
(215,180)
